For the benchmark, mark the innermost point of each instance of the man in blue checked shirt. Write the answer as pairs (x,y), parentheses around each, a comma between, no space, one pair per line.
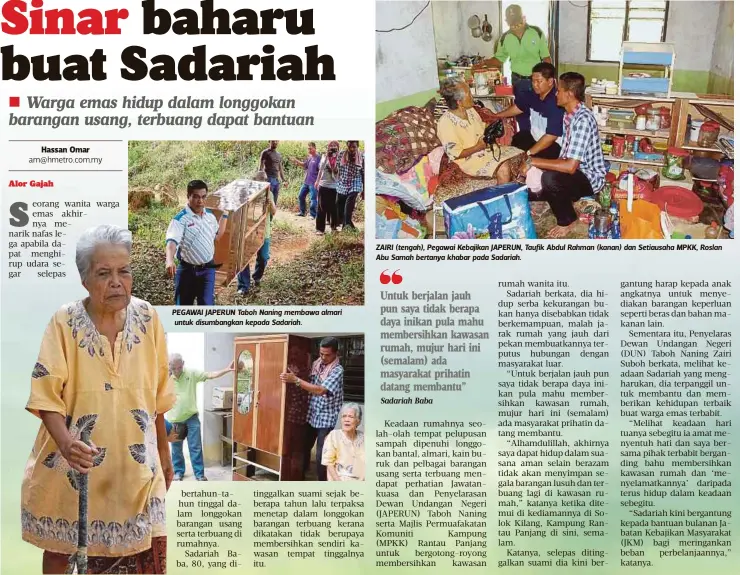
(191,236)
(326,389)
(350,182)
(580,171)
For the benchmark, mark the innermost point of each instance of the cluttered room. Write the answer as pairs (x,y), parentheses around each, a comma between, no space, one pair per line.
(544,120)
(262,423)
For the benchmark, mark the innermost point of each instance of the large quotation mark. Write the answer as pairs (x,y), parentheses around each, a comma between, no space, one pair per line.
(386,278)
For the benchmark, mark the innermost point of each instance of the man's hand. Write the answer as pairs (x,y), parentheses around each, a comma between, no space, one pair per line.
(288,377)
(170,267)
(166,461)
(231,366)
(524,168)
(79,455)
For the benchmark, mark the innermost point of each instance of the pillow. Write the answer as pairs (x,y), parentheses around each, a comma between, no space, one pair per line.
(419,176)
(404,136)
(406,190)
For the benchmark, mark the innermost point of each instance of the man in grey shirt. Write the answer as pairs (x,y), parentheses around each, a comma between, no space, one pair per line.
(272,163)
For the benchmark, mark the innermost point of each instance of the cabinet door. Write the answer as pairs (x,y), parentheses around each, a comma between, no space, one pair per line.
(270,395)
(246,359)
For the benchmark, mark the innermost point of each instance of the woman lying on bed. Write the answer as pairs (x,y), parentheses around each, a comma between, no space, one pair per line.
(460,129)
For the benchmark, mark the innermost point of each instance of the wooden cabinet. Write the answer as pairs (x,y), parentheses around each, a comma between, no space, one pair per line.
(248,207)
(269,420)
(709,108)
(629,103)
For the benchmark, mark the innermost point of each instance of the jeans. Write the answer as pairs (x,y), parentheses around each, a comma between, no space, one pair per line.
(345,208)
(314,435)
(561,190)
(327,213)
(521,84)
(305,189)
(193,284)
(263,256)
(195,447)
(275,187)
(524,141)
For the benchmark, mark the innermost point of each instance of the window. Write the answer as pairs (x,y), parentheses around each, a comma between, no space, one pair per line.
(612,22)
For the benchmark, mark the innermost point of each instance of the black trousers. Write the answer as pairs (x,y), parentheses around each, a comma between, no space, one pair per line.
(327,213)
(314,435)
(561,190)
(345,208)
(525,141)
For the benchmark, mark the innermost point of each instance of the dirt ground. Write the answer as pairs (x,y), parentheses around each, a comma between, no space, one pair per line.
(292,235)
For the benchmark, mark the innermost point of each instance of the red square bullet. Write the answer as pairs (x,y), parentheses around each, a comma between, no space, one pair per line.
(15,102)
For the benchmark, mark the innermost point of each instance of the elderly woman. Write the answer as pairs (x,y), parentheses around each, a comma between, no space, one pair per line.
(460,129)
(344,448)
(102,374)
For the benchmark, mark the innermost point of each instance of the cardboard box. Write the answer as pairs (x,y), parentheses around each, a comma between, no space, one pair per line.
(223,398)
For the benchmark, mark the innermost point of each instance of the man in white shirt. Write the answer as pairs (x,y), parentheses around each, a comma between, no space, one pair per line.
(191,236)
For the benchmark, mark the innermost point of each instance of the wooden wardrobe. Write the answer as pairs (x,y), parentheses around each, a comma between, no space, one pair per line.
(248,204)
(269,440)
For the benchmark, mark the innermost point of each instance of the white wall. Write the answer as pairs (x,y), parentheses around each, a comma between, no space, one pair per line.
(451,33)
(723,57)
(691,27)
(405,61)
(190,347)
(218,354)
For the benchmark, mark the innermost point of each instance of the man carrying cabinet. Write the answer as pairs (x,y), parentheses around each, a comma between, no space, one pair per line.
(191,236)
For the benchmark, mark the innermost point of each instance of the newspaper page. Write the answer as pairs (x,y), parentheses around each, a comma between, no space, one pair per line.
(522,214)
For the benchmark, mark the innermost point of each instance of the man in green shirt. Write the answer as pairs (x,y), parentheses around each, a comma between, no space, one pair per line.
(524,45)
(185,412)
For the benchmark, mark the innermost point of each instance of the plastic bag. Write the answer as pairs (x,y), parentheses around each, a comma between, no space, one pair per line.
(491,213)
(730,219)
(642,223)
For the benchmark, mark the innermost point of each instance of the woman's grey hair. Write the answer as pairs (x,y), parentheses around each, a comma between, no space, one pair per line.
(452,91)
(356,408)
(92,238)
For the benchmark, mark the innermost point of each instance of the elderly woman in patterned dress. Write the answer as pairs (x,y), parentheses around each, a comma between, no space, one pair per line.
(102,373)
(460,129)
(344,448)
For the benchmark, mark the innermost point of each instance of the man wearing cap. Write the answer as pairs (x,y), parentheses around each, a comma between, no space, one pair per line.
(190,237)
(524,45)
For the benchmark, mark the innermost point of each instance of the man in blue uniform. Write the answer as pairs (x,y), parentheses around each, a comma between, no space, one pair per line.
(191,236)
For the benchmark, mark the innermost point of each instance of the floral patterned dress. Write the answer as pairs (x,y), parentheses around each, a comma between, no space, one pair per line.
(117,400)
(347,454)
(457,135)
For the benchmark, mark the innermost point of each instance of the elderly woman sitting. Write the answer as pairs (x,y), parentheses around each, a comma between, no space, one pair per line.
(102,374)
(460,129)
(344,448)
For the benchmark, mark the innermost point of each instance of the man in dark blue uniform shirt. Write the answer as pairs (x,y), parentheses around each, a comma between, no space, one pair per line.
(538,115)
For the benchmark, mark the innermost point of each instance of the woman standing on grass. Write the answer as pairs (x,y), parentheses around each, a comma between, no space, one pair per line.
(326,183)
(351,182)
